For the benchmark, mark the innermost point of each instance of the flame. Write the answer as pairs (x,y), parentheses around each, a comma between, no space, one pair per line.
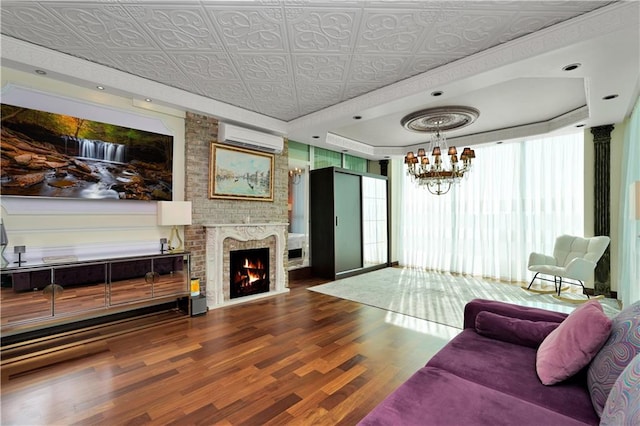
(255,270)
(252,265)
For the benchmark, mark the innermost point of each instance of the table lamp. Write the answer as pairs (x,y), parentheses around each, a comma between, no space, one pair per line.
(174,213)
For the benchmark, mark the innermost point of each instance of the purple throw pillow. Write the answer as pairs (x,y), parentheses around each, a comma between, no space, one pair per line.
(513,330)
(621,347)
(571,346)
(623,404)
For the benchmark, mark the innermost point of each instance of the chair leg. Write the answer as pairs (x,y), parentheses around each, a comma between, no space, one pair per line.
(559,285)
(584,290)
(532,280)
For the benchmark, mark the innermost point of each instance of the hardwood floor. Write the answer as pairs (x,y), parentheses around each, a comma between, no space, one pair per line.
(301,358)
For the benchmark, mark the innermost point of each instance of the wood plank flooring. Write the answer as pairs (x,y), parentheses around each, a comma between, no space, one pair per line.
(301,358)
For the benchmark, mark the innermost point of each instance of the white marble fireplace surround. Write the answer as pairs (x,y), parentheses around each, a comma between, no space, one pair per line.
(215,256)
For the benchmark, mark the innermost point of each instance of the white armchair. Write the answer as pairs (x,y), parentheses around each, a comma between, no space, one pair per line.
(574,258)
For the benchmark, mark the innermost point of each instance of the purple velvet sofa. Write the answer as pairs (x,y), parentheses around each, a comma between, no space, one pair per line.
(484,379)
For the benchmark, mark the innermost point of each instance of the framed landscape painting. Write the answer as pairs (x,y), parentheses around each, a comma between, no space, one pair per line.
(54,155)
(237,173)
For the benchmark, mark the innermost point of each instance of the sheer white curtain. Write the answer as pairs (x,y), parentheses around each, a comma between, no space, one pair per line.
(518,198)
(629,244)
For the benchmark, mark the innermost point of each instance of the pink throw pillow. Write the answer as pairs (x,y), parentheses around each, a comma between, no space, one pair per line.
(572,346)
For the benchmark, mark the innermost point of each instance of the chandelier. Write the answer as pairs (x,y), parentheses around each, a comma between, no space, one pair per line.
(295,175)
(438,166)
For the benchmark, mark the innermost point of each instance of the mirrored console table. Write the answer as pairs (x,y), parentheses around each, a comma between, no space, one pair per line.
(37,295)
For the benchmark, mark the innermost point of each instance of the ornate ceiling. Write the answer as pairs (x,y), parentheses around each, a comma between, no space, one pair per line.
(283,59)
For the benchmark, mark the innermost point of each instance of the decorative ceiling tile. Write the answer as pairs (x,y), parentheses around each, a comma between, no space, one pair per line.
(104,25)
(102,57)
(464,34)
(353,90)
(250,30)
(320,68)
(271,67)
(230,92)
(280,58)
(424,63)
(312,97)
(154,66)
(31,22)
(207,66)
(277,99)
(526,24)
(177,27)
(376,68)
(322,30)
(317,94)
(394,32)
(265,92)
(281,111)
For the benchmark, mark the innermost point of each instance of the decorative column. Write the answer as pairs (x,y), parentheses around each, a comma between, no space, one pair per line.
(602,206)
(384,167)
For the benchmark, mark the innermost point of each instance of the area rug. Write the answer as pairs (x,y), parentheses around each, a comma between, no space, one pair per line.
(438,297)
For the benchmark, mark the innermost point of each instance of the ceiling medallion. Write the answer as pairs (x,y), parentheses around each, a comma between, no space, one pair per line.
(439,174)
(440,118)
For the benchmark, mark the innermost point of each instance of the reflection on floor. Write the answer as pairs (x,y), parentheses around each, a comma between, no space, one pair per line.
(440,297)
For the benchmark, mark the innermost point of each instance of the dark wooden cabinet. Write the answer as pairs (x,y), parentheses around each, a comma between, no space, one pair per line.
(341,211)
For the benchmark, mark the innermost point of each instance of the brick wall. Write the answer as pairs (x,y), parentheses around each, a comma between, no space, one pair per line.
(200,132)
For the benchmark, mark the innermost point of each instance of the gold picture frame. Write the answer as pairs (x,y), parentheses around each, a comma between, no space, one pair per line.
(240,174)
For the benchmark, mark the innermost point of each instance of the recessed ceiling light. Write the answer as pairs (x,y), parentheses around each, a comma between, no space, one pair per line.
(609,97)
(41,72)
(437,93)
(571,67)
(100,87)
(315,136)
(147,100)
(499,143)
(357,117)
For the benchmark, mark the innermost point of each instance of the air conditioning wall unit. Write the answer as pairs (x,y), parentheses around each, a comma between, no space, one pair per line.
(247,138)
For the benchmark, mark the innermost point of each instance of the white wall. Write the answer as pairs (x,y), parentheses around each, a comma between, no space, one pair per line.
(53,223)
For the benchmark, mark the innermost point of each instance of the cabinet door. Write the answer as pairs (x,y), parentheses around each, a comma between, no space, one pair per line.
(131,281)
(171,274)
(348,222)
(374,221)
(78,288)
(20,301)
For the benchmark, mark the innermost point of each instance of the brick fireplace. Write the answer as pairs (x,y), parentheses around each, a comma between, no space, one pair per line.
(224,239)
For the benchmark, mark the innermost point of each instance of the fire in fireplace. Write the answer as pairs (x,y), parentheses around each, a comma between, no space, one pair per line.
(249,272)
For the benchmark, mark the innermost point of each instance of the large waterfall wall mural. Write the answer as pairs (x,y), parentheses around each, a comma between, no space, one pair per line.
(53,155)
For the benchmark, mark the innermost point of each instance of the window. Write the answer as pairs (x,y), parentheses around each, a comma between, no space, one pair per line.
(517,199)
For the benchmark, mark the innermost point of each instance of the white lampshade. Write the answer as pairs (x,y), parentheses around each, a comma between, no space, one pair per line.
(174,213)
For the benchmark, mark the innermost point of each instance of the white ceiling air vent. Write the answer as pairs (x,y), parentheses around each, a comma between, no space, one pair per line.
(247,138)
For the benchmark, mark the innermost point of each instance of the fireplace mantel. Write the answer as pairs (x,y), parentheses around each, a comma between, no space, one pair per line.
(217,233)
